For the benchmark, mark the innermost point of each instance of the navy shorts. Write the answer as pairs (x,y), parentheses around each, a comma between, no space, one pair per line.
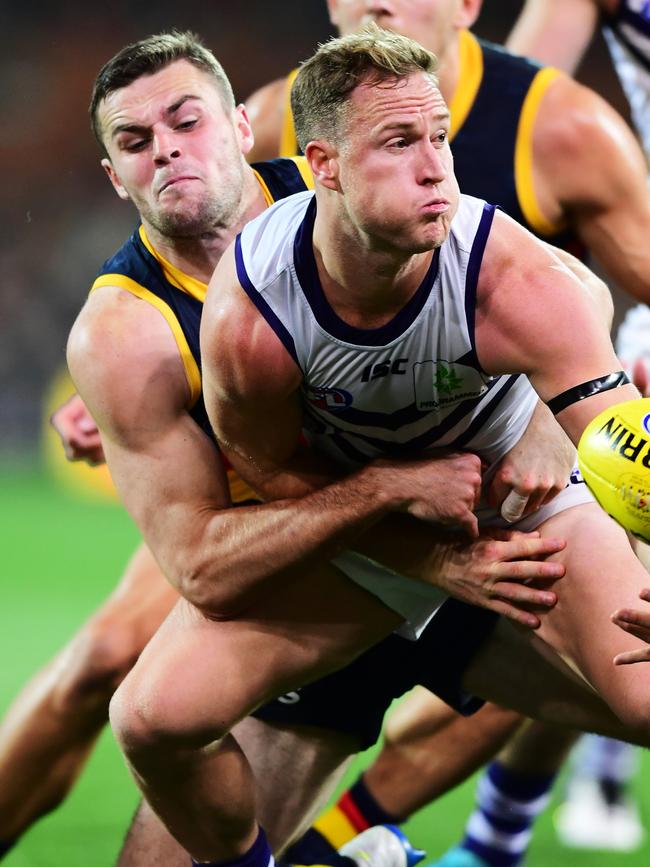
(355,699)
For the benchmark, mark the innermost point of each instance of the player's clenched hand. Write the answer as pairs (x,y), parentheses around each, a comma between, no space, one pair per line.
(535,470)
(494,572)
(636,622)
(444,489)
(78,431)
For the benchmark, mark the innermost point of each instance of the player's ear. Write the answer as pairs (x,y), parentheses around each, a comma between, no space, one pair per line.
(323,162)
(113,178)
(244,129)
(467,13)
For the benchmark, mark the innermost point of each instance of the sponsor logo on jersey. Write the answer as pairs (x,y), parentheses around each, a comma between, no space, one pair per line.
(328,399)
(389,367)
(441,383)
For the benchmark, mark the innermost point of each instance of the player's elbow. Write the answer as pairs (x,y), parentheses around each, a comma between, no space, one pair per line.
(206,587)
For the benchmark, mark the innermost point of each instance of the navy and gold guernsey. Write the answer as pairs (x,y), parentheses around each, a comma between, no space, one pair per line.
(492,115)
(138,268)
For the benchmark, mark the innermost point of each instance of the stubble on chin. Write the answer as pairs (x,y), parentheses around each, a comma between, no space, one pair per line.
(185,221)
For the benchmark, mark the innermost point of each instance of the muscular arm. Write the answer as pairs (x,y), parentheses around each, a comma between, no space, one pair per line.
(537,318)
(555,32)
(589,169)
(170,476)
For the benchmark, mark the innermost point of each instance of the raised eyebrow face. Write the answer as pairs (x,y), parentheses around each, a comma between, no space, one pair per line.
(169,111)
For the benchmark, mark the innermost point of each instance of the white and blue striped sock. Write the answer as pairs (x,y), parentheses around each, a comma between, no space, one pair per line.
(507,804)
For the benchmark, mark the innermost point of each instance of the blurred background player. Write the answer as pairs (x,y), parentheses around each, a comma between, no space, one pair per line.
(532,181)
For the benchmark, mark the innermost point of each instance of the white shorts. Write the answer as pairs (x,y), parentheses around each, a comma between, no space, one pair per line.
(416,601)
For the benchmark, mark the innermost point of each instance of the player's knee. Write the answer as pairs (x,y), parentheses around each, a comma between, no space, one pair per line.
(151,720)
(98,660)
(136,723)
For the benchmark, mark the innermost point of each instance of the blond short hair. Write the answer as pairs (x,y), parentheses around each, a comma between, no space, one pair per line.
(320,93)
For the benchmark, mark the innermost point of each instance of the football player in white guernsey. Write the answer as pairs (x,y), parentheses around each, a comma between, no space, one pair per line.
(385,243)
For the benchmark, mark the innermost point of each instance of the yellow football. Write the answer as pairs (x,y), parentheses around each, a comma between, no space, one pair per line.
(614,459)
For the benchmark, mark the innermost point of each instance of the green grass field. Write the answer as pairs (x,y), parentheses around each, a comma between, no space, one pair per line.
(61,556)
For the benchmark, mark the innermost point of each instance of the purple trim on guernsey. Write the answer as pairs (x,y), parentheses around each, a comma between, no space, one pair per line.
(473,270)
(282,334)
(307,273)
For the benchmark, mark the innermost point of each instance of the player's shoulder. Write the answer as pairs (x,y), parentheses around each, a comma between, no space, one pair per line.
(120,352)
(265,247)
(573,120)
(132,263)
(473,217)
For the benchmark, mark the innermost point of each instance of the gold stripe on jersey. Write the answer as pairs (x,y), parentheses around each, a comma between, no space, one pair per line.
(288,141)
(469,81)
(524,181)
(192,372)
(305,172)
(239,490)
(335,826)
(190,285)
(268,198)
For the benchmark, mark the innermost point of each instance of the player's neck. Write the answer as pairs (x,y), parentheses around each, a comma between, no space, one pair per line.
(199,255)
(366,288)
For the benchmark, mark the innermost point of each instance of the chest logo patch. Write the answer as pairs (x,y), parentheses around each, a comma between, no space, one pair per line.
(440,383)
(328,399)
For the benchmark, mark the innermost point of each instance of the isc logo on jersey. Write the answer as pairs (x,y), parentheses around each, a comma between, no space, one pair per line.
(328,399)
(614,458)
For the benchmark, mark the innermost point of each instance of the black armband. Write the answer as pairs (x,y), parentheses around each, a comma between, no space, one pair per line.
(586,389)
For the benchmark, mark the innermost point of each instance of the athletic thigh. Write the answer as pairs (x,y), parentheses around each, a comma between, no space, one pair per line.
(199,676)
(602,574)
(516,669)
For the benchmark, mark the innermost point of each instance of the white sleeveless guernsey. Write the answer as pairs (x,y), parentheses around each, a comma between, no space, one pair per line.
(627,34)
(411,385)
(408,386)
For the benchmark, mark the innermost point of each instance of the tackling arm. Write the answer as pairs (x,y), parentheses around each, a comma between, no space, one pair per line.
(170,475)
